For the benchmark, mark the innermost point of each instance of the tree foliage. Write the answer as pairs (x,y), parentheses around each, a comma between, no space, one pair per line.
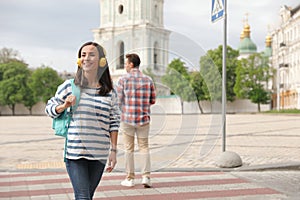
(211,70)
(43,82)
(178,80)
(212,86)
(7,54)
(253,75)
(19,84)
(29,99)
(198,85)
(13,83)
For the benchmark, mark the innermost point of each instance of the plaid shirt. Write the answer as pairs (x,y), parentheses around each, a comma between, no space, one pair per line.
(136,94)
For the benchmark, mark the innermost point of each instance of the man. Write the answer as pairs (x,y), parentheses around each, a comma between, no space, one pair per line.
(136,94)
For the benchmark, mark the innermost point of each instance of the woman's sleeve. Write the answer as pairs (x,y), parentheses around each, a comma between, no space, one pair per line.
(61,94)
(114,113)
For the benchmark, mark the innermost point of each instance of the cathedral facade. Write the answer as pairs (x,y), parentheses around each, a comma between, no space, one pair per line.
(133,26)
(286,59)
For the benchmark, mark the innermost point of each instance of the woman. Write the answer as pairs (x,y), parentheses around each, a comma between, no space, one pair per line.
(93,131)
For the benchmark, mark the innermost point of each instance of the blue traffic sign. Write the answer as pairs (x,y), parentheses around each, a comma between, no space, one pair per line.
(217,10)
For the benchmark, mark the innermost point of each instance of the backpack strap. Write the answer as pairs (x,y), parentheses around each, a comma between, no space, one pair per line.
(76,92)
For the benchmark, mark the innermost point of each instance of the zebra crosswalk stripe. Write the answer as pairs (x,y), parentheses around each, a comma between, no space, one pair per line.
(166,185)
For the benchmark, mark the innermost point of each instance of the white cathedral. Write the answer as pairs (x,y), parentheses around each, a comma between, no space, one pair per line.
(133,26)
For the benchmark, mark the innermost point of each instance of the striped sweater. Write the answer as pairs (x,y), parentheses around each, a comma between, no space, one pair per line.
(95,117)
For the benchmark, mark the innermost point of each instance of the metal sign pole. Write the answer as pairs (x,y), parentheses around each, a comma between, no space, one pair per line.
(227,158)
(224,78)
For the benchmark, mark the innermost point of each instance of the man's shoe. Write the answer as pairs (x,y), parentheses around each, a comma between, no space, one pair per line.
(146,182)
(128,182)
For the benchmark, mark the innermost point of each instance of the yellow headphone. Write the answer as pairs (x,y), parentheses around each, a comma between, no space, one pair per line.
(79,62)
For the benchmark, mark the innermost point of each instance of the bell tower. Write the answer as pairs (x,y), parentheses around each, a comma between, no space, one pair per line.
(133,26)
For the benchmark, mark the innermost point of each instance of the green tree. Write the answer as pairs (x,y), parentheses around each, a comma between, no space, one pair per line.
(29,99)
(253,75)
(212,87)
(211,70)
(13,83)
(43,82)
(198,85)
(177,79)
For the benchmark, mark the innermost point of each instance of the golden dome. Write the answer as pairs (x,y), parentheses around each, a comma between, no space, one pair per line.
(242,35)
(268,41)
(247,30)
(246,44)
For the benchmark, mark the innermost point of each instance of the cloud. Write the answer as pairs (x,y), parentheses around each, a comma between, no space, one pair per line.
(49,23)
(48,32)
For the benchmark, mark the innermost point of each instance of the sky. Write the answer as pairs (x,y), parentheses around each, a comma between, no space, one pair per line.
(50,32)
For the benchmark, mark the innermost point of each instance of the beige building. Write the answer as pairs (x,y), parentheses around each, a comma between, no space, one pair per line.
(286,59)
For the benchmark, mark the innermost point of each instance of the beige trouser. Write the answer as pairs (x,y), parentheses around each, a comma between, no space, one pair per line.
(142,132)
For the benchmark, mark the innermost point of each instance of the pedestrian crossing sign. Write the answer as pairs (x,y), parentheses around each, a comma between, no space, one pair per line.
(217,10)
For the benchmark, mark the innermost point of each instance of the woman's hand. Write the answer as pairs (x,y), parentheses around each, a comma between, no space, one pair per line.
(112,161)
(70,101)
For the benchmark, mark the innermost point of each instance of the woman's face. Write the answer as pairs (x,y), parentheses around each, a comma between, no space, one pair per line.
(89,58)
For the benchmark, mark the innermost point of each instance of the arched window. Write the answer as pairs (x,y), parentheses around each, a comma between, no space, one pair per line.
(156,16)
(156,56)
(120,62)
(121,9)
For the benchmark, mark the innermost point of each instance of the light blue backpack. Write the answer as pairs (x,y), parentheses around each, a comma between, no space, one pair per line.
(61,123)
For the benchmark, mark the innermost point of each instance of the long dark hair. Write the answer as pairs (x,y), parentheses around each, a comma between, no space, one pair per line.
(102,73)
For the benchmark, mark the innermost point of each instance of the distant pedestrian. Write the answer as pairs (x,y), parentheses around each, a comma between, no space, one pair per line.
(136,94)
(93,131)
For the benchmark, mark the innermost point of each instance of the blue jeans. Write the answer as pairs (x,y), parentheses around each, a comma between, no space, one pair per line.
(85,176)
